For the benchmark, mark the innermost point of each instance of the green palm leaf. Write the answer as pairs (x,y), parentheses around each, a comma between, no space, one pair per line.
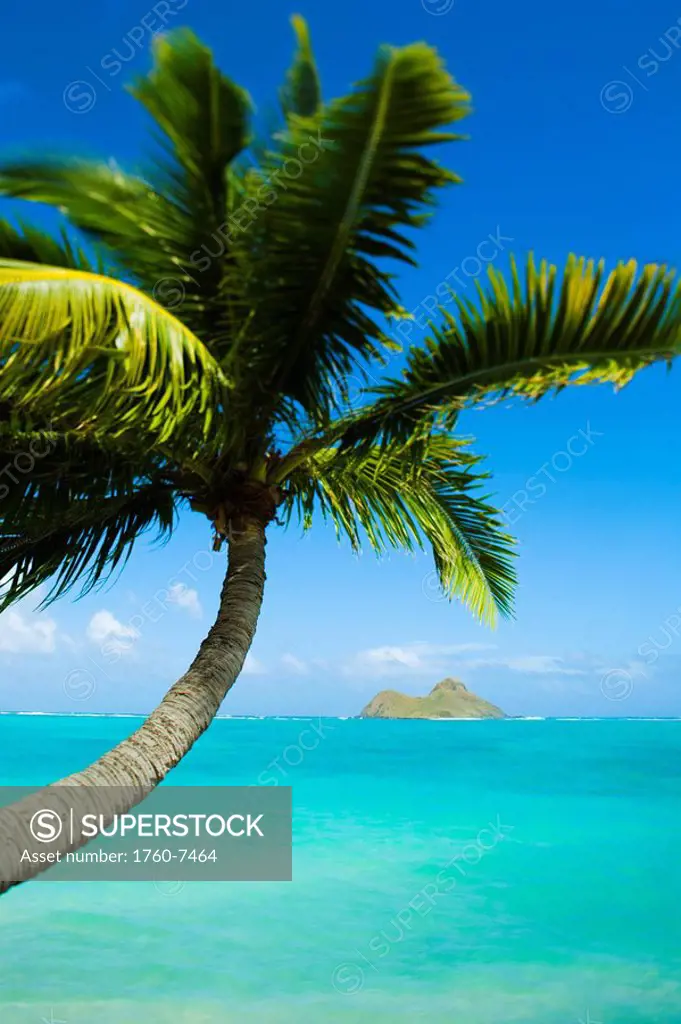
(408,493)
(72,508)
(589,329)
(204,122)
(301,96)
(146,233)
(343,188)
(155,225)
(203,117)
(86,350)
(31,245)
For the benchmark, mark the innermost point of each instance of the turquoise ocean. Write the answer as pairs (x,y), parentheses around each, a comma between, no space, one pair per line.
(479,872)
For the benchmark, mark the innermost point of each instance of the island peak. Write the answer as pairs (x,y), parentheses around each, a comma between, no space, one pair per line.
(449,698)
(449,684)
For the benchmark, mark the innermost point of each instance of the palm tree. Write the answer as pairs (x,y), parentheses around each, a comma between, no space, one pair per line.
(197,352)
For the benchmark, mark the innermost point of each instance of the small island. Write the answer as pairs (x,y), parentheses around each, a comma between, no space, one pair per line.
(448,699)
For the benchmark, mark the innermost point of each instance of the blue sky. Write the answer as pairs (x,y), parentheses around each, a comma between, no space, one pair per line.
(573,148)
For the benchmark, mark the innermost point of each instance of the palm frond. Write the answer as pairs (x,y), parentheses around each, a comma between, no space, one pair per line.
(71,508)
(339,190)
(31,245)
(203,117)
(204,120)
(301,95)
(155,226)
(146,234)
(407,493)
(89,351)
(589,329)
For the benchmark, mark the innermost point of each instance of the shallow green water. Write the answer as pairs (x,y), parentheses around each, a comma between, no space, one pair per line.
(562,840)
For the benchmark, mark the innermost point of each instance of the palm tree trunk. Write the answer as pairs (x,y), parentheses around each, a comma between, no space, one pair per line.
(144,759)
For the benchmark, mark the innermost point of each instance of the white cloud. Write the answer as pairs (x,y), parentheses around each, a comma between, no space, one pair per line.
(408,657)
(104,627)
(187,598)
(420,658)
(293,664)
(417,657)
(252,667)
(26,634)
(530,664)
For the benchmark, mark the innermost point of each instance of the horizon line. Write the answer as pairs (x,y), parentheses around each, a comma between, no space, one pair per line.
(345,718)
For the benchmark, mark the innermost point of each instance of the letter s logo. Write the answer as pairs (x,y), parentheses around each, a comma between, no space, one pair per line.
(46,826)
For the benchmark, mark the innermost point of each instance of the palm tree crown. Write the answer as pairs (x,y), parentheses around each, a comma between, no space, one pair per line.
(199,350)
